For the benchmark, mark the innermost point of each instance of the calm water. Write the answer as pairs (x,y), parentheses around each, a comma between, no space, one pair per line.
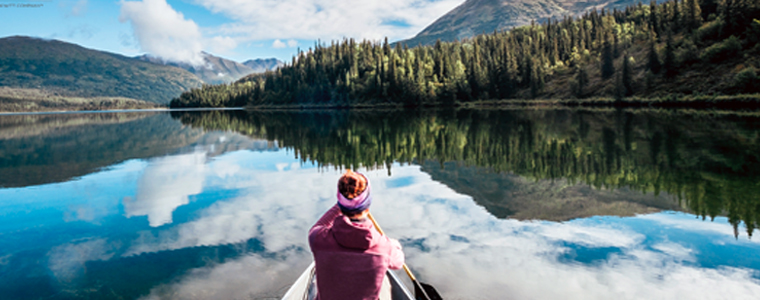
(502,204)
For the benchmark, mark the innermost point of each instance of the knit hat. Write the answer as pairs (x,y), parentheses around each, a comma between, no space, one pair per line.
(353,192)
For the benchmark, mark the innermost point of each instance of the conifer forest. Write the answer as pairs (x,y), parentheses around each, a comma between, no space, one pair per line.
(683,47)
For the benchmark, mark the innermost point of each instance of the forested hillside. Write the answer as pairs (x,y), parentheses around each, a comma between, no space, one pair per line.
(68,70)
(679,47)
(475,17)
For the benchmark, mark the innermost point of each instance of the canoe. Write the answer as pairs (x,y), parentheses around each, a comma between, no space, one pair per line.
(305,287)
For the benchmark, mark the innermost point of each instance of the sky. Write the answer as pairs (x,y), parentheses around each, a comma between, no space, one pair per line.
(178,30)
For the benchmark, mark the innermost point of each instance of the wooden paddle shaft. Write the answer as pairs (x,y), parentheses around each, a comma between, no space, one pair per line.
(408,272)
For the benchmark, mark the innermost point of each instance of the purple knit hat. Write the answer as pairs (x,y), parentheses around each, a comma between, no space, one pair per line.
(358,203)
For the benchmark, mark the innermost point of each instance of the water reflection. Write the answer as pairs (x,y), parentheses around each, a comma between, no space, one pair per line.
(40,149)
(225,215)
(710,163)
(165,185)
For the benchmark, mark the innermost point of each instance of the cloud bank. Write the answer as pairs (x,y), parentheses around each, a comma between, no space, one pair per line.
(163,32)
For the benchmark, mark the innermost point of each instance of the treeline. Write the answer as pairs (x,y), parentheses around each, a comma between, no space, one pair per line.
(641,51)
(712,164)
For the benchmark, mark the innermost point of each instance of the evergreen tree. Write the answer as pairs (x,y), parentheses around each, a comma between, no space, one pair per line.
(669,64)
(627,76)
(608,67)
(581,81)
(653,62)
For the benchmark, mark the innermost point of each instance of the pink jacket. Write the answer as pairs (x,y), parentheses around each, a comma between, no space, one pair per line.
(351,258)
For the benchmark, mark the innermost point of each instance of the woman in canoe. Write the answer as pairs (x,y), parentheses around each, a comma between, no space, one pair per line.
(351,256)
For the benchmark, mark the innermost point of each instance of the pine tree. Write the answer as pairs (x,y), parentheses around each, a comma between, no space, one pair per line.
(581,80)
(608,67)
(670,58)
(653,63)
(693,14)
(654,22)
(627,76)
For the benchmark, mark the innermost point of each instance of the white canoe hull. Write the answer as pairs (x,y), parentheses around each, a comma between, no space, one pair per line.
(305,287)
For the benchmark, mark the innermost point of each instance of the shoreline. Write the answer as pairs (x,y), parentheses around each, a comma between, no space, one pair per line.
(64,112)
(749,103)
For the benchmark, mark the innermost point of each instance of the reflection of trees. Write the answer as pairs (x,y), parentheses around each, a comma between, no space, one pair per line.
(711,164)
(52,148)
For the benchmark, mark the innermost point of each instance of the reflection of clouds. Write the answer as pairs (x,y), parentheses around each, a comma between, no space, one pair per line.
(67,261)
(165,185)
(449,241)
(277,208)
(248,277)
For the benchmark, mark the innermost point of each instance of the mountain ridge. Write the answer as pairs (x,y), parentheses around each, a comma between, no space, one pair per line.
(71,70)
(474,17)
(218,70)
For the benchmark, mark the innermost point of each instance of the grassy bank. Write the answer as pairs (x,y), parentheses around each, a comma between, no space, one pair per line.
(37,100)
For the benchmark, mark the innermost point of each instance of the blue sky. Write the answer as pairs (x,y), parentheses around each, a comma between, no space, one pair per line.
(178,30)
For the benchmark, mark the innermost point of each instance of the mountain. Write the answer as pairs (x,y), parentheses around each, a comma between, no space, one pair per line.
(475,17)
(261,65)
(71,70)
(215,70)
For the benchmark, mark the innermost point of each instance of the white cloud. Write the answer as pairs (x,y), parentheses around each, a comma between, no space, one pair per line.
(165,185)
(221,44)
(292,43)
(327,19)
(67,261)
(249,277)
(499,257)
(163,32)
(278,44)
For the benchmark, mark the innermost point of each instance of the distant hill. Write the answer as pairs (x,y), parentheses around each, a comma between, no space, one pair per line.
(71,70)
(475,17)
(215,70)
(261,65)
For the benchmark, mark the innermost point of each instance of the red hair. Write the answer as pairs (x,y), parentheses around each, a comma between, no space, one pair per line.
(351,184)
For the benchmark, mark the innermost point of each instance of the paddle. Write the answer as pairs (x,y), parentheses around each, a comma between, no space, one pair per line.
(422,291)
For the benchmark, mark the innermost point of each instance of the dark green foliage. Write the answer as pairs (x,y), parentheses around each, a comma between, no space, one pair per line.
(747,81)
(669,63)
(722,51)
(687,53)
(581,81)
(709,31)
(520,63)
(627,76)
(608,67)
(75,71)
(653,62)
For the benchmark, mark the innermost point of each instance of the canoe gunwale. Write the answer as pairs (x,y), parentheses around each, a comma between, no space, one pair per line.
(303,285)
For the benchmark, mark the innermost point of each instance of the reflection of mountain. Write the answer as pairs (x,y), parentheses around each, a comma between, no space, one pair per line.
(506,195)
(710,163)
(43,149)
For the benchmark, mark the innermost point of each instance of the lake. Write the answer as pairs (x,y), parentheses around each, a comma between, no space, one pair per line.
(488,204)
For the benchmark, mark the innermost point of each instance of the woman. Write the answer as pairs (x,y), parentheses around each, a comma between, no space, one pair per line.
(351,256)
